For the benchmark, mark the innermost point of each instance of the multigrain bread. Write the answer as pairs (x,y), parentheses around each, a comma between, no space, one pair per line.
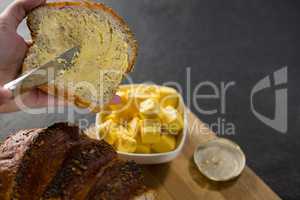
(107,50)
(61,163)
(28,160)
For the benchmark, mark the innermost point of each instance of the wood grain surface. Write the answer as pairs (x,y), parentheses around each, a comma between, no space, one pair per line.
(180,179)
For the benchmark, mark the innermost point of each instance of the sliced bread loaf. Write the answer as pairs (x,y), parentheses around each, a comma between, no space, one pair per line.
(107,50)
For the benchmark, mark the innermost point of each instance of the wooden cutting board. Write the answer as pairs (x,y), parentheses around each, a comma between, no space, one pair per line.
(181,179)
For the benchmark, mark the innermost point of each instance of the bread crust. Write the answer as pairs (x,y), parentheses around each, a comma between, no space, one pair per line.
(60,162)
(21,152)
(66,95)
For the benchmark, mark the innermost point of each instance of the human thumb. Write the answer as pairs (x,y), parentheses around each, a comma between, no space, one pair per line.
(5,95)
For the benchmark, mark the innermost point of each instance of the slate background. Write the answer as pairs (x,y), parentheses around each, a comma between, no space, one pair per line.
(234,40)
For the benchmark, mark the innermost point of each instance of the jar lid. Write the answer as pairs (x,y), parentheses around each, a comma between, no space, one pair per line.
(220,159)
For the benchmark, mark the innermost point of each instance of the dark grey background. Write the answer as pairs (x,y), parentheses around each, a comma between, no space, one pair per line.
(232,40)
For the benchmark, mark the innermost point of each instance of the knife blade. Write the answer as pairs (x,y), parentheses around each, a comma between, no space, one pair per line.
(43,74)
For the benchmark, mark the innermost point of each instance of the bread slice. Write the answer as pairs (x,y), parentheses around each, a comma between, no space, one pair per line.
(107,50)
(59,162)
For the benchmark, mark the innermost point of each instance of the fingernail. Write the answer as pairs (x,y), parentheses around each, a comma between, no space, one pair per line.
(116,100)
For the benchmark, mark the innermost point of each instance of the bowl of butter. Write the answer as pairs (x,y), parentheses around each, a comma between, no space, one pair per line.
(147,126)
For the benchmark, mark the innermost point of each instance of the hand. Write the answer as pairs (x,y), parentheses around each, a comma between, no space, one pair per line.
(12,52)
(13,49)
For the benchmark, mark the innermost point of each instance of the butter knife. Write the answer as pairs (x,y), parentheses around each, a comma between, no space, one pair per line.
(42,74)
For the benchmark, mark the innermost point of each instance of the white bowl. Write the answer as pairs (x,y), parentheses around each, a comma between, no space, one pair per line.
(157,158)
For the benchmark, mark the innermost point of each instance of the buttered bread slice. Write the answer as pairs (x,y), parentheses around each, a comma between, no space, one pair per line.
(107,50)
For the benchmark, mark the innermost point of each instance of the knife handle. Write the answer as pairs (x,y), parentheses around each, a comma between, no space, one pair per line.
(16,86)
